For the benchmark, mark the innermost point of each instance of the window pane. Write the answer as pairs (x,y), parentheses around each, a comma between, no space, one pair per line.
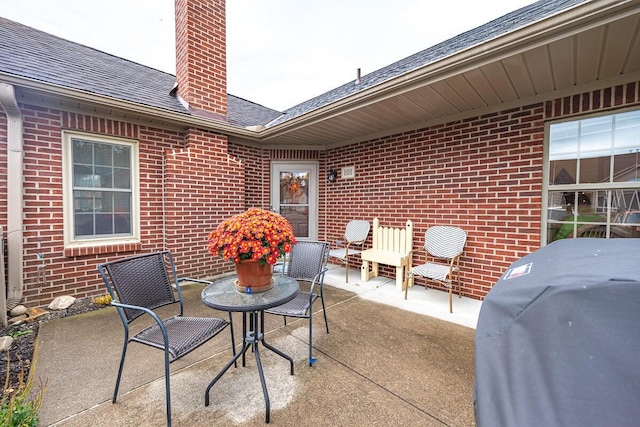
(293,188)
(627,147)
(83,201)
(595,137)
(625,231)
(591,230)
(103,154)
(595,170)
(82,152)
(104,224)
(122,202)
(626,218)
(563,172)
(625,202)
(121,156)
(103,201)
(626,167)
(83,224)
(627,132)
(122,224)
(298,217)
(122,178)
(563,141)
(105,175)
(83,176)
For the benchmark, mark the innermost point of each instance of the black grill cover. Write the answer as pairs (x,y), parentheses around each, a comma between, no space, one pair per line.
(558,338)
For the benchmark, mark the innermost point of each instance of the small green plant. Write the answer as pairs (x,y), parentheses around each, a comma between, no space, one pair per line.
(17,334)
(103,299)
(19,407)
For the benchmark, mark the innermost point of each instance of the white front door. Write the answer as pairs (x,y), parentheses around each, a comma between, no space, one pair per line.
(294,194)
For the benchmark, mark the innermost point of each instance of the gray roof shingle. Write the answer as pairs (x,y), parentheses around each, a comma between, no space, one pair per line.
(34,54)
(500,26)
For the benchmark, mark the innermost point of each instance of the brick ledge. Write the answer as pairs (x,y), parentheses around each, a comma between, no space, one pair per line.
(73,251)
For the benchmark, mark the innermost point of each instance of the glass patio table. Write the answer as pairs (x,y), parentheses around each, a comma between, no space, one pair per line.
(223,295)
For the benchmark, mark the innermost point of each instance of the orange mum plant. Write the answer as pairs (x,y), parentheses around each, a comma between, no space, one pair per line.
(256,234)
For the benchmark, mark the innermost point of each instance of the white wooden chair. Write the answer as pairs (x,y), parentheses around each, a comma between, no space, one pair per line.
(390,246)
(443,245)
(355,234)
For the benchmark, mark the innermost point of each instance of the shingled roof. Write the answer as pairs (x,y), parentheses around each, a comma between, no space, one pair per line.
(29,53)
(34,54)
(498,27)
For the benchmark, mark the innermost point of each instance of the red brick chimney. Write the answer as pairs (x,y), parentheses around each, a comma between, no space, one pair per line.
(201,56)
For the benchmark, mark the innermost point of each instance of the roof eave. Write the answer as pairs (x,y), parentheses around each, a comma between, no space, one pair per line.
(185,120)
(568,21)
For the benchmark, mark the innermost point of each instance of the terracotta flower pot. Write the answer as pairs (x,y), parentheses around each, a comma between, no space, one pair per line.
(253,276)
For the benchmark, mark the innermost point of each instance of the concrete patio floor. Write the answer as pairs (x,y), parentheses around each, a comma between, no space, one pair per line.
(387,361)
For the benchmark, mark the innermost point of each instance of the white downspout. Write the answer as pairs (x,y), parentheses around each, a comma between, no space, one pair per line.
(15,243)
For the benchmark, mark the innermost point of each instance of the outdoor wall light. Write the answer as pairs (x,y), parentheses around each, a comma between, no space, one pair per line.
(333,175)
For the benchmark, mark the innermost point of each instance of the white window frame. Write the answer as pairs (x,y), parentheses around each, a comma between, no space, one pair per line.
(68,202)
(591,187)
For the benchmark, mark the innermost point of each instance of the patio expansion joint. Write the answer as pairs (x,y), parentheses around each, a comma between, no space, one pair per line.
(382,387)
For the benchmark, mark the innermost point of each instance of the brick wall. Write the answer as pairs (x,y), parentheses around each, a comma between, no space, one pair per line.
(256,174)
(483,174)
(188,184)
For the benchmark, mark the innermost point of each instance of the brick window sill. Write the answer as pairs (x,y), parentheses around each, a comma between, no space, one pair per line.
(74,251)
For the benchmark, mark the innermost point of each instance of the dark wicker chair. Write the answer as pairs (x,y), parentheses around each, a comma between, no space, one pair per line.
(307,262)
(141,284)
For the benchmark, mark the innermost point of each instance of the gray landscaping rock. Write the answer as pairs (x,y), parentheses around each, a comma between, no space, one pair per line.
(18,310)
(62,303)
(5,343)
